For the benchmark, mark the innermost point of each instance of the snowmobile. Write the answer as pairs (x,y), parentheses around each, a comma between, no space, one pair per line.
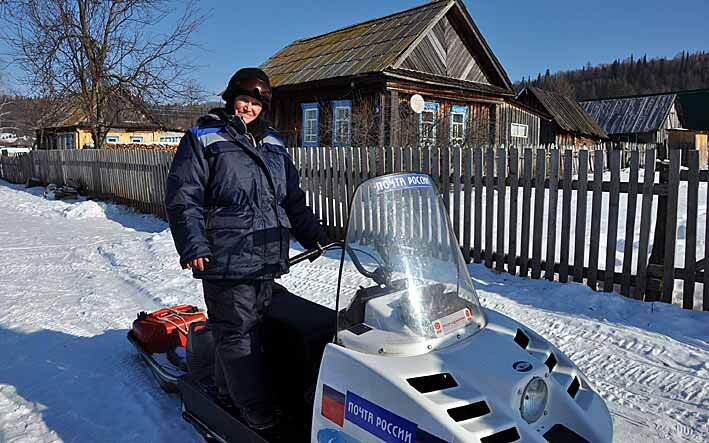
(407,355)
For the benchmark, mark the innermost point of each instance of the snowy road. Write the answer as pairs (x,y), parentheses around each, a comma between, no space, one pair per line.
(77,273)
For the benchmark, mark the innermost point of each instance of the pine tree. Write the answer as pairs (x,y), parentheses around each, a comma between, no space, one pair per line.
(630,76)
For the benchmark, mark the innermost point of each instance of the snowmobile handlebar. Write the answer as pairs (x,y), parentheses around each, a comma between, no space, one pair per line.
(314,253)
(379,275)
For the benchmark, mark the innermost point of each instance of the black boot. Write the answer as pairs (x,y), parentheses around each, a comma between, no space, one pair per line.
(259,418)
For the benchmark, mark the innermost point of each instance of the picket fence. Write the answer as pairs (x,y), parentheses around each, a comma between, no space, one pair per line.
(534,212)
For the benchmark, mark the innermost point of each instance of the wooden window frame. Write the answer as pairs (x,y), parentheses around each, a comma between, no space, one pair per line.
(310,139)
(341,104)
(459,110)
(518,126)
(432,108)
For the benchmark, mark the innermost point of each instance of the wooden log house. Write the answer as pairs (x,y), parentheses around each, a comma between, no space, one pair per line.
(353,86)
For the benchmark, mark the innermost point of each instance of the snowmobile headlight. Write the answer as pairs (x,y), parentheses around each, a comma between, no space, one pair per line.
(534,400)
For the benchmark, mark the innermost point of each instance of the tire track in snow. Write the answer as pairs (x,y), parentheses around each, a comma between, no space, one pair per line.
(649,380)
(72,375)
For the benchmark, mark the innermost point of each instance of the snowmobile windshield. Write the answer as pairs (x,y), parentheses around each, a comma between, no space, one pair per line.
(404,288)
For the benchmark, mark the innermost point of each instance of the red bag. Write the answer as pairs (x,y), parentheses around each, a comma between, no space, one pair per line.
(167,328)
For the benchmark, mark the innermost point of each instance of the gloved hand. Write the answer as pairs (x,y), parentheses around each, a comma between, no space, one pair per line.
(316,256)
(324,238)
(236,123)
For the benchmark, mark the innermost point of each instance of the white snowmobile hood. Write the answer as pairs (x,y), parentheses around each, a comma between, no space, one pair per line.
(389,398)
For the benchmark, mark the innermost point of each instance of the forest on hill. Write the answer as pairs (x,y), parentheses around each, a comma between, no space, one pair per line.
(631,76)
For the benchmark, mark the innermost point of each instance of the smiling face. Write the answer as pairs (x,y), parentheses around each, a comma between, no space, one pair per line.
(248,108)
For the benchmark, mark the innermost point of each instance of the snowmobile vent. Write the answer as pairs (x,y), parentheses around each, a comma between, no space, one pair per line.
(521,339)
(359,329)
(551,362)
(574,387)
(473,410)
(562,434)
(506,436)
(432,383)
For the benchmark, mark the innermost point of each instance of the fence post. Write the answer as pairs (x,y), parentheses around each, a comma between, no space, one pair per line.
(658,242)
(690,259)
(3,155)
(648,184)
(666,225)
(26,165)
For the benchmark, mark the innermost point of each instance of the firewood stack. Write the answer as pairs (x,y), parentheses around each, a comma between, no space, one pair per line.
(142,146)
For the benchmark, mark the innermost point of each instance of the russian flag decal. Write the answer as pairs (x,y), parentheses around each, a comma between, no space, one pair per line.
(333,408)
(333,405)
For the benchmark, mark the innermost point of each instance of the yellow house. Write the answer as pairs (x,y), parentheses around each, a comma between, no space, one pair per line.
(74,133)
(78,137)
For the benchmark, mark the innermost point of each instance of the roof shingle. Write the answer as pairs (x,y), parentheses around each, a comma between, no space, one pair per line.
(567,113)
(368,47)
(631,115)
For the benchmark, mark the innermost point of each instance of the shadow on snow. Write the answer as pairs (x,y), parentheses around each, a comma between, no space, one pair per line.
(89,388)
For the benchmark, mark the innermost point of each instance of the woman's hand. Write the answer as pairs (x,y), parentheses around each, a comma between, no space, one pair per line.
(197,263)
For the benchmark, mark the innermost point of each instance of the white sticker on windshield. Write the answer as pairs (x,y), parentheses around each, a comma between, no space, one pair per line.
(403,181)
(452,322)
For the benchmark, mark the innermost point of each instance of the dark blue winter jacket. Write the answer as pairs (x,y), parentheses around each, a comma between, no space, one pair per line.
(234,201)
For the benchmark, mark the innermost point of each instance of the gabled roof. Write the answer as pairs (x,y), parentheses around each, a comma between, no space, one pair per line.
(631,115)
(567,113)
(375,46)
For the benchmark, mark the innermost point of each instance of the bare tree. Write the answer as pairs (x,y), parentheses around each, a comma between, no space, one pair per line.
(194,95)
(4,113)
(5,104)
(100,57)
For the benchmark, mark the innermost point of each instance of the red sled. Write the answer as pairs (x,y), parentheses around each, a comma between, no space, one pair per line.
(163,330)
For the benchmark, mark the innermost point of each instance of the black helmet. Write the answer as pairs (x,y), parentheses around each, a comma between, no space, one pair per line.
(248,81)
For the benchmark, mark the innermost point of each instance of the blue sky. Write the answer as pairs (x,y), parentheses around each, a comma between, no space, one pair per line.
(527,36)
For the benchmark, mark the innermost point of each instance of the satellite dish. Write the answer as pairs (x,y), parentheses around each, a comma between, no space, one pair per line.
(416,103)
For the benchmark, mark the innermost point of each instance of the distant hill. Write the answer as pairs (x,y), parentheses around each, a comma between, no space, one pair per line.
(628,77)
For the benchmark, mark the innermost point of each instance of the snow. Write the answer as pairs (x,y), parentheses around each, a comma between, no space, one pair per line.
(77,272)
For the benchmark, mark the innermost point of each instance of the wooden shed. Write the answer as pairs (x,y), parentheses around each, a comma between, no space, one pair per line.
(568,122)
(353,86)
(641,119)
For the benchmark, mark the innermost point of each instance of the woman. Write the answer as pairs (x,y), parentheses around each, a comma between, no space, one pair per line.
(233,196)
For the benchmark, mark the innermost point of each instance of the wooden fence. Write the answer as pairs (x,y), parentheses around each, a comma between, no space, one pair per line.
(526,211)
(131,177)
(539,212)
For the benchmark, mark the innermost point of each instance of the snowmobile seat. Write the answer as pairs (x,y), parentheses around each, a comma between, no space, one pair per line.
(296,332)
